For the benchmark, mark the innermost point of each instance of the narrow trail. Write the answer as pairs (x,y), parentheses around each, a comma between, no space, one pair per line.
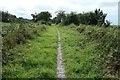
(60,66)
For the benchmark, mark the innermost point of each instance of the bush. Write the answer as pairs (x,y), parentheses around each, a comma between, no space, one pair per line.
(72,25)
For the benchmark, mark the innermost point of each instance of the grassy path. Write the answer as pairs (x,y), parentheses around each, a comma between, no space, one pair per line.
(79,56)
(37,58)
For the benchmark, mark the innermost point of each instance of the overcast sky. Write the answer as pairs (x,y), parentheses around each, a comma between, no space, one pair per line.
(24,8)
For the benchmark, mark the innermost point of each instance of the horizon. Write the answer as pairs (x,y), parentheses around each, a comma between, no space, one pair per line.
(21,8)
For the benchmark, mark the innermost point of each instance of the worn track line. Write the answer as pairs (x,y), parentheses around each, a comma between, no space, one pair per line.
(60,66)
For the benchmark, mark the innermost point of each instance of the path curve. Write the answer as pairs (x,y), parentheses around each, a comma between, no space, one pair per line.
(60,66)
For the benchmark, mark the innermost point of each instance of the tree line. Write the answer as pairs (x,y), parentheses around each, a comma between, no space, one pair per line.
(96,17)
(89,18)
(5,16)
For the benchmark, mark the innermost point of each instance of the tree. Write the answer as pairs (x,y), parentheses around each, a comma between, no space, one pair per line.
(93,18)
(60,17)
(96,17)
(42,16)
(34,17)
(54,20)
(84,18)
(107,23)
(100,16)
(72,18)
(7,17)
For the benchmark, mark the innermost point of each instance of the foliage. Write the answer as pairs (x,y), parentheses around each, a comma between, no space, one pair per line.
(89,18)
(14,34)
(35,59)
(45,16)
(90,51)
(7,17)
(60,17)
(93,18)
(29,49)
(45,22)
(71,18)
(107,23)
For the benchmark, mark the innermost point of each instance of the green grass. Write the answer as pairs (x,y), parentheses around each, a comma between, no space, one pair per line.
(36,58)
(84,50)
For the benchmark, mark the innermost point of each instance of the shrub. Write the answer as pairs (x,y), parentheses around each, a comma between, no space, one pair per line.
(72,25)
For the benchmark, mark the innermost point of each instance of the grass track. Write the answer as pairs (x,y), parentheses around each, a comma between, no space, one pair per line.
(37,58)
(79,56)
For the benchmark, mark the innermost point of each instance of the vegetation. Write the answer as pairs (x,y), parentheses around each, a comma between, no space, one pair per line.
(71,18)
(60,17)
(89,18)
(44,16)
(7,17)
(90,51)
(96,17)
(35,59)
(93,18)
(14,34)
(89,45)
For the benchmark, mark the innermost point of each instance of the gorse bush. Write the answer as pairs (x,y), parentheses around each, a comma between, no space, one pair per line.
(14,34)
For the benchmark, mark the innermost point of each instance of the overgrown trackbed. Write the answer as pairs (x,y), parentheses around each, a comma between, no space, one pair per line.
(41,57)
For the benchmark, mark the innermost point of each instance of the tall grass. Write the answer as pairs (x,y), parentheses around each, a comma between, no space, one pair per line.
(90,51)
(14,34)
(34,59)
(107,49)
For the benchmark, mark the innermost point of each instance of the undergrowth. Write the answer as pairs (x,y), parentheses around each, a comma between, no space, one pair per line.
(90,51)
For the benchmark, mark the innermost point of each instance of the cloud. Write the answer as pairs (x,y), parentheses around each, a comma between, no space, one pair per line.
(119,13)
(108,4)
(81,2)
(19,10)
(67,9)
(39,8)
